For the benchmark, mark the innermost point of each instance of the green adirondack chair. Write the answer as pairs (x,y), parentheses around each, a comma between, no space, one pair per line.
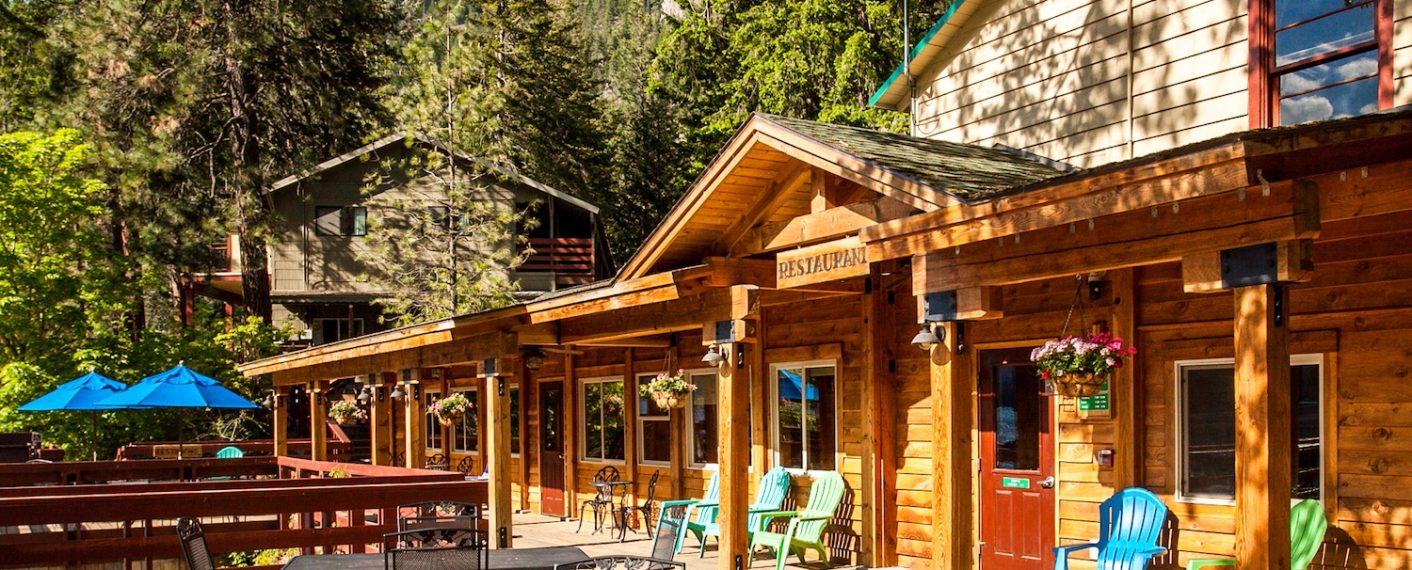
(713,495)
(774,487)
(806,527)
(1307,524)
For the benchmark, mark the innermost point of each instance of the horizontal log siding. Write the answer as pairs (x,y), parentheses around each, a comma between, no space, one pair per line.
(1357,309)
(1052,77)
(1402,56)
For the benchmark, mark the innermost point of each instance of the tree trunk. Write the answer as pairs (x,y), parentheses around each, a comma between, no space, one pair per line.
(246,185)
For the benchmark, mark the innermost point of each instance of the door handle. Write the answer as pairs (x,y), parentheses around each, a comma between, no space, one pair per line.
(1047,482)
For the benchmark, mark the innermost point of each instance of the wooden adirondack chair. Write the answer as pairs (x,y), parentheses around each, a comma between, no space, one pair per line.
(774,487)
(1129,523)
(806,527)
(1307,524)
(689,510)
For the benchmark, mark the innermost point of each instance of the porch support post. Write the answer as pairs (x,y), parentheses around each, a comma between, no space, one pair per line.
(497,447)
(733,405)
(415,417)
(281,420)
(379,420)
(318,421)
(951,380)
(879,467)
(1262,393)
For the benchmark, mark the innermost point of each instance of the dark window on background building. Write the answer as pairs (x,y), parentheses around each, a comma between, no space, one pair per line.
(340,220)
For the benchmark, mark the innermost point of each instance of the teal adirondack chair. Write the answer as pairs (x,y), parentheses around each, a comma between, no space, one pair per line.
(1307,524)
(230,452)
(1129,524)
(774,487)
(713,495)
(806,527)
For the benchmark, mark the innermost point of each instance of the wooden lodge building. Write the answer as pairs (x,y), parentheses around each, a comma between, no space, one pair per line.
(1073,165)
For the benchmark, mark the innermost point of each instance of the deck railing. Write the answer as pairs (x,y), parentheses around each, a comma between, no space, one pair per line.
(269,503)
(570,259)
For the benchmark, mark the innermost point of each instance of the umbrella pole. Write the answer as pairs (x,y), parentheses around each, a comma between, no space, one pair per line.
(93,437)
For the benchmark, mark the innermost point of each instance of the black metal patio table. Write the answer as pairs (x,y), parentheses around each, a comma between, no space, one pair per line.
(510,559)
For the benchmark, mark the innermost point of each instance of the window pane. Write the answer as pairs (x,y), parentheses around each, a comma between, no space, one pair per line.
(1345,100)
(703,419)
(468,432)
(432,424)
(328,220)
(819,423)
(1290,11)
(514,420)
(592,421)
(1308,472)
(646,406)
(549,420)
(613,418)
(1018,417)
(357,221)
(1348,28)
(657,440)
(1208,398)
(789,418)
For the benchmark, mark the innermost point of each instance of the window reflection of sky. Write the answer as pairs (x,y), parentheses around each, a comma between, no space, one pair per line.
(1338,31)
(1288,12)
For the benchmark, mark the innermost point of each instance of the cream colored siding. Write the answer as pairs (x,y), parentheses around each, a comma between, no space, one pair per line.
(1402,57)
(1053,77)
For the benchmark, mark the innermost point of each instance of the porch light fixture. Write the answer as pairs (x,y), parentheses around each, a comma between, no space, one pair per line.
(927,338)
(397,393)
(270,399)
(713,357)
(364,396)
(534,359)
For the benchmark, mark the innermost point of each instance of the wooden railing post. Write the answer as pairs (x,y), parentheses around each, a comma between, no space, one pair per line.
(318,421)
(281,420)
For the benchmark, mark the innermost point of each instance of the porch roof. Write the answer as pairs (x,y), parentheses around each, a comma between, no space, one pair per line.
(1029,203)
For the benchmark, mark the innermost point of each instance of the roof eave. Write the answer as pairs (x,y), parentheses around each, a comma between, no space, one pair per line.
(894,92)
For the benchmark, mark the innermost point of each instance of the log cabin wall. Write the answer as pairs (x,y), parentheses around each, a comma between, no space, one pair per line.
(1356,314)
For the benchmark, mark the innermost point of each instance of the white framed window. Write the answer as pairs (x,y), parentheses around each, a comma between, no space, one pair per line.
(654,429)
(1206,437)
(702,420)
(431,425)
(514,421)
(803,415)
(465,436)
(602,420)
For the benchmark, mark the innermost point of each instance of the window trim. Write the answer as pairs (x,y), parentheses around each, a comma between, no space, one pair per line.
(774,388)
(641,440)
(345,213)
(1261,70)
(583,418)
(1179,424)
(687,423)
(473,396)
(362,330)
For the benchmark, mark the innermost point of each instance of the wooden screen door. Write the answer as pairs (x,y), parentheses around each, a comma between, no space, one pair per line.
(1017,464)
(551,449)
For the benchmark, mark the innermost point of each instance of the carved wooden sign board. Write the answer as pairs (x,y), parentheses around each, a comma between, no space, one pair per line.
(830,261)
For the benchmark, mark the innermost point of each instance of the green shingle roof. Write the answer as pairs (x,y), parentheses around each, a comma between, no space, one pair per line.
(967,172)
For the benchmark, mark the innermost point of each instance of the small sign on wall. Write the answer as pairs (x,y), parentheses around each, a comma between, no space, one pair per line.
(1015,482)
(1096,405)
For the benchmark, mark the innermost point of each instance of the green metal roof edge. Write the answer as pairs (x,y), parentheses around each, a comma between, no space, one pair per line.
(902,67)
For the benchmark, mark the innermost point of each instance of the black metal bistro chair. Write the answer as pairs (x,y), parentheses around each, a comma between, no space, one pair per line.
(644,511)
(449,549)
(603,497)
(438,462)
(440,509)
(464,465)
(669,529)
(193,545)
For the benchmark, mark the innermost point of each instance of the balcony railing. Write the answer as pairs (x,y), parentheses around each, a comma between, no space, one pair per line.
(570,259)
(258,503)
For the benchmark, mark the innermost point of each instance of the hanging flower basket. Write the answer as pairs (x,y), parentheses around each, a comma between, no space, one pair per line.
(451,409)
(1078,366)
(668,390)
(345,412)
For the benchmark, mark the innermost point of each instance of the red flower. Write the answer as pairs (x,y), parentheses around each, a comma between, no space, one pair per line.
(1045,374)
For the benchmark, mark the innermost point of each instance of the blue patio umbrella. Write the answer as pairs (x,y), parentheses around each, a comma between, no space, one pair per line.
(177,387)
(81,394)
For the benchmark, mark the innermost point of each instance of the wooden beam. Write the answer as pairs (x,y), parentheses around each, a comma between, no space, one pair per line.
(823,191)
(733,405)
(570,440)
(951,381)
(380,412)
(465,348)
(1128,240)
(1124,390)
(318,420)
(413,422)
(1293,261)
(819,226)
(650,320)
(879,468)
(1263,439)
(849,167)
(785,185)
(662,341)
(976,303)
(497,452)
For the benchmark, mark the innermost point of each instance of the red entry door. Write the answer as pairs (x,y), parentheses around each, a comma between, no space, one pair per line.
(1017,464)
(551,449)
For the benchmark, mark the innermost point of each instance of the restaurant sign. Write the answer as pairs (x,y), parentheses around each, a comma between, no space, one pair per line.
(820,263)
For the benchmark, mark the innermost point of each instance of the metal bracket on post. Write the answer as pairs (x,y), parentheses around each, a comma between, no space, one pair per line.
(501,536)
(938,307)
(1250,265)
(1278,292)
(960,337)
(500,385)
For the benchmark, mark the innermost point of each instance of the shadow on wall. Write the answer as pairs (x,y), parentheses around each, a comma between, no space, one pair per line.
(1056,83)
(839,535)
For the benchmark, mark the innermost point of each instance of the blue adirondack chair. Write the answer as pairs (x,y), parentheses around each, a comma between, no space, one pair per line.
(770,496)
(688,509)
(1128,526)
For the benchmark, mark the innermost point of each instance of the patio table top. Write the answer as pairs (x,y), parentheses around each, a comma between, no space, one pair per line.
(510,559)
